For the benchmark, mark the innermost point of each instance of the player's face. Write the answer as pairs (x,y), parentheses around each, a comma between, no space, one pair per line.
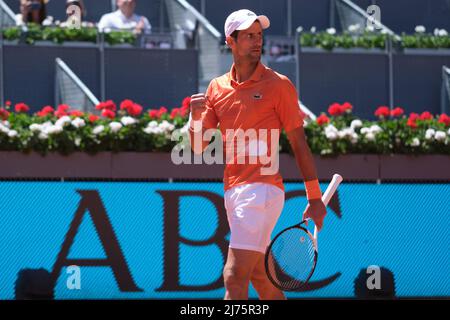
(248,44)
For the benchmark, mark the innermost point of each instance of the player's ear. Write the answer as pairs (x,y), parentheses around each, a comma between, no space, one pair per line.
(230,41)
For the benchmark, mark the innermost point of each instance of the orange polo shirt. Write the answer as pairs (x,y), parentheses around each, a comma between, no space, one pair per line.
(266,102)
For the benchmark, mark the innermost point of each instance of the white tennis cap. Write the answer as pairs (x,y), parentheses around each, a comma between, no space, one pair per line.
(243,19)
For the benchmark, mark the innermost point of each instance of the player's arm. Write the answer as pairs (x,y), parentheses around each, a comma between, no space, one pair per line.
(196,127)
(305,161)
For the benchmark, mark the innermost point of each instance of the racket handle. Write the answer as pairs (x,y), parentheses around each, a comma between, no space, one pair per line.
(337,179)
(326,197)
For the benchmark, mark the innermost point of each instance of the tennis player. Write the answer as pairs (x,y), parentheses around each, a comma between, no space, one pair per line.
(252,97)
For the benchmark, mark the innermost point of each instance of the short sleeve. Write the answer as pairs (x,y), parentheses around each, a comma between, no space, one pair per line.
(288,107)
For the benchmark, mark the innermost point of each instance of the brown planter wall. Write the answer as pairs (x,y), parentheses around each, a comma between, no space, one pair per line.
(132,165)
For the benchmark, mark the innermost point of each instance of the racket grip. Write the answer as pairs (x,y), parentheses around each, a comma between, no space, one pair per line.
(326,197)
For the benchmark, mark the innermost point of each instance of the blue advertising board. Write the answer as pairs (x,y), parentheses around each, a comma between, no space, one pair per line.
(135,240)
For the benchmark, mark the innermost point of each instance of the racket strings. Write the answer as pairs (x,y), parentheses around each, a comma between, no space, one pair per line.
(292,259)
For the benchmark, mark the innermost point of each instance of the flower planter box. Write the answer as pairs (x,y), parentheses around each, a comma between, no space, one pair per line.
(437,52)
(159,166)
(344,50)
(415,168)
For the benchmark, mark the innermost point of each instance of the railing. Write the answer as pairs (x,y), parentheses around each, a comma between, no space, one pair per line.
(70,90)
(352,15)
(194,30)
(7,16)
(445,93)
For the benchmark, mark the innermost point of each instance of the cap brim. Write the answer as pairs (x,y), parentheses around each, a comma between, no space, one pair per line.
(265,22)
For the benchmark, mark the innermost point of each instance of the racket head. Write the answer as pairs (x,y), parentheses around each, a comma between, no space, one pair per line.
(291,258)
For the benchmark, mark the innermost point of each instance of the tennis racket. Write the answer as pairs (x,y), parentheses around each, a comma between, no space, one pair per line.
(291,257)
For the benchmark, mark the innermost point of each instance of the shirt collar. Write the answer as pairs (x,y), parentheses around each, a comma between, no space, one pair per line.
(256,76)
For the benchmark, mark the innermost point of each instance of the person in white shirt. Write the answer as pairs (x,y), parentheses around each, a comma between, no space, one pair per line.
(125,18)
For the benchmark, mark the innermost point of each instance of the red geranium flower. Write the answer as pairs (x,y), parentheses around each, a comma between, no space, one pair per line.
(175,112)
(93,117)
(383,111)
(153,113)
(21,107)
(4,114)
(426,116)
(445,119)
(45,111)
(162,111)
(184,111)
(336,109)
(322,119)
(109,105)
(76,113)
(397,112)
(8,103)
(347,106)
(414,116)
(135,109)
(126,104)
(107,113)
(412,123)
(186,102)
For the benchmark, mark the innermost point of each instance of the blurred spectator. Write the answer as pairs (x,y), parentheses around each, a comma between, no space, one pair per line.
(125,18)
(33,11)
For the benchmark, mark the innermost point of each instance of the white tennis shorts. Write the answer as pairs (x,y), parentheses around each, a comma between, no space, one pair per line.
(253,210)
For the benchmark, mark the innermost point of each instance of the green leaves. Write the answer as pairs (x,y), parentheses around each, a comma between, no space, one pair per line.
(371,40)
(60,35)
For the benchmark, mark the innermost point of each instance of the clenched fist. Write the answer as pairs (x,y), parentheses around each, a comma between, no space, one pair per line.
(198,105)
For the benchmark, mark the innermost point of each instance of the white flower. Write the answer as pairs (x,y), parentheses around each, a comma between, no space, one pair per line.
(448,132)
(375,129)
(365,130)
(370,136)
(64,120)
(415,142)
(115,126)
(77,141)
(341,134)
(78,123)
(436,32)
(331,128)
(166,126)
(354,138)
(42,135)
(356,124)
(313,29)
(5,123)
(53,129)
(354,27)
(152,124)
(370,28)
(128,120)
(153,130)
(3,129)
(429,134)
(35,127)
(13,133)
(440,136)
(331,135)
(98,129)
(420,29)
(331,31)
(443,33)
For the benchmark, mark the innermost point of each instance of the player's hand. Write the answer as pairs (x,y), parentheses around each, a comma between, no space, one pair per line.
(317,211)
(198,105)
